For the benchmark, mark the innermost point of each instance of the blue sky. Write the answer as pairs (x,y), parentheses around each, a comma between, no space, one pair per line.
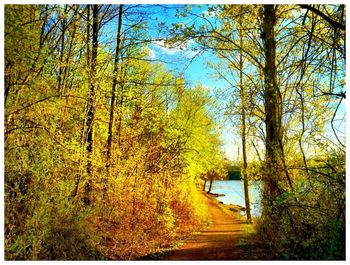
(191,64)
(198,73)
(195,71)
(180,61)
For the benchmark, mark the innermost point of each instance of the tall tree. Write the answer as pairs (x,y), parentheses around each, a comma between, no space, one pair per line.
(242,93)
(92,63)
(273,109)
(114,86)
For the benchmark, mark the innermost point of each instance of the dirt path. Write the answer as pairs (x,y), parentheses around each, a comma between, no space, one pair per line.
(218,242)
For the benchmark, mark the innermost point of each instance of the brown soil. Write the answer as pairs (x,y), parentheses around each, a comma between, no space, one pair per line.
(219,241)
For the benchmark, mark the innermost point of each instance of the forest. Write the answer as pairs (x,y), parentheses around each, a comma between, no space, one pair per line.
(110,138)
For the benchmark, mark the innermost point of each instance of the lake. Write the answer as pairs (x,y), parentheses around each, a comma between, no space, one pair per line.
(234,193)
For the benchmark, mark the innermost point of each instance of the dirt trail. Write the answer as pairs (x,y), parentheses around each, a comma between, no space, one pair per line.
(217,242)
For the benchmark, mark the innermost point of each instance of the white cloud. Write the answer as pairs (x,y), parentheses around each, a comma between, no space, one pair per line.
(180,47)
(207,13)
(151,54)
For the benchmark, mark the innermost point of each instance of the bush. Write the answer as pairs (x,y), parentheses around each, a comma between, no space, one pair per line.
(308,222)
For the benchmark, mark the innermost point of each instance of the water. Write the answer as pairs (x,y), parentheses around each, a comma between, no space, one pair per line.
(234,193)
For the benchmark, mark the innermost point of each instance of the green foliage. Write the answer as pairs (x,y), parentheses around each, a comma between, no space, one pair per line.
(234,173)
(164,139)
(309,222)
(164,135)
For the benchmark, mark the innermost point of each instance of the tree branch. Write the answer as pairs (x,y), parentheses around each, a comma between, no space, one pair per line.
(333,23)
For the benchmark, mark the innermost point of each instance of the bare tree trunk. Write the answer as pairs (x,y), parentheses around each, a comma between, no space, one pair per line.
(272,106)
(120,106)
(275,163)
(114,85)
(257,151)
(244,149)
(211,182)
(243,131)
(61,67)
(91,108)
(205,183)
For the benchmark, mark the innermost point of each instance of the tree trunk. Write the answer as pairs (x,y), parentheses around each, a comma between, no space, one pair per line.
(61,67)
(272,108)
(114,85)
(275,163)
(120,108)
(211,182)
(90,106)
(205,183)
(244,151)
(275,166)
(243,131)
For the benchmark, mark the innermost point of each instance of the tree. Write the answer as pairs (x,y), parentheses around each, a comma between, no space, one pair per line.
(92,64)
(243,124)
(84,105)
(114,85)
(273,108)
